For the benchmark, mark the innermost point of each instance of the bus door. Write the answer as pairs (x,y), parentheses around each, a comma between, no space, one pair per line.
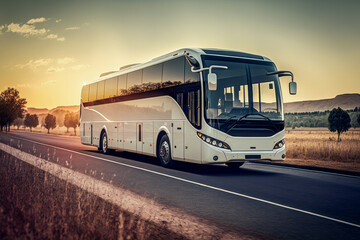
(189,99)
(139,137)
(91,134)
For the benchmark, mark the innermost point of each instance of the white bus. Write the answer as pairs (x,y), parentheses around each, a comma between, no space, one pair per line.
(205,106)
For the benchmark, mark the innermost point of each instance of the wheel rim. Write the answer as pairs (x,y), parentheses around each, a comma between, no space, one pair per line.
(165,152)
(104,143)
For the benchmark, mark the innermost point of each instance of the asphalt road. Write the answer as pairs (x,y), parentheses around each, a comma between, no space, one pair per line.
(271,201)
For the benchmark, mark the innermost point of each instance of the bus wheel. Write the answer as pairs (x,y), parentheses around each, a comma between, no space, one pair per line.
(165,152)
(104,143)
(235,165)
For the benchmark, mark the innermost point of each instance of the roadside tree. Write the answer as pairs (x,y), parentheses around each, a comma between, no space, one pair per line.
(72,121)
(339,121)
(31,121)
(358,119)
(12,106)
(18,123)
(50,122)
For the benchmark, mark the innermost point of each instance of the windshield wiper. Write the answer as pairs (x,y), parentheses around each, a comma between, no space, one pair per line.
(248,114)
(238,120)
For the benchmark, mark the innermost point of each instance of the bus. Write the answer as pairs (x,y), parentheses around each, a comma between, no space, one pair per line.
(205,106)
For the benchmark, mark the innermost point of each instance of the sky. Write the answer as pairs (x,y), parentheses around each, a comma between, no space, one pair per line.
(49,49)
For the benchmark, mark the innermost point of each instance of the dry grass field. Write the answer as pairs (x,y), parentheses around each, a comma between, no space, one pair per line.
(37,205)
(319,147)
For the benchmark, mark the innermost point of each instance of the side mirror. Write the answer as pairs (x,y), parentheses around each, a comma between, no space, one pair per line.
(292,88)
(212,81)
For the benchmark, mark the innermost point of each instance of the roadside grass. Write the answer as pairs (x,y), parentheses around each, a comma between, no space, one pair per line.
(37,205)
(320,147)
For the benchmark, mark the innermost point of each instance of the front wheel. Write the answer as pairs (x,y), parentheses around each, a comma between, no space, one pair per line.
(164,152)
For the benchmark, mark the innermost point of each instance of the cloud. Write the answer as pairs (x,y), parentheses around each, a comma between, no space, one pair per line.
(36,20)
(55,69)
(48,82)
(65,60)
(34,64)
(29,29)
(72,28)
(55,36)
(52,65)
(26,29)
(58,20)
(79,67)
(52,36)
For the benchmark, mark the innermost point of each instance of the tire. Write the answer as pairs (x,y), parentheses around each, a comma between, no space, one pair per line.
(104,144)
(235,164)
(164,152)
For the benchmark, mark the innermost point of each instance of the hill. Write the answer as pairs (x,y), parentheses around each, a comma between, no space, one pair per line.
(345,101)
(74,108)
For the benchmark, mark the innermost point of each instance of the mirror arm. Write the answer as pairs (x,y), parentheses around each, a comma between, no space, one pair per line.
(282,74)
(198,70)
(209,68)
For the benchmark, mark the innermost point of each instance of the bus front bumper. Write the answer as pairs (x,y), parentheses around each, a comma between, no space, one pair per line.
(216,155)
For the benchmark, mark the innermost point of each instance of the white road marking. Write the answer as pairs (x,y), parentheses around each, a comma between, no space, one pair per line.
(200,184)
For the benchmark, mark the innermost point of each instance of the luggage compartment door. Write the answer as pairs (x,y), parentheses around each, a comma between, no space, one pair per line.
(178,140)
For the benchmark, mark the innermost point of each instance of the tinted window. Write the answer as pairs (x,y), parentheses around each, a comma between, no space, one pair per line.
(100,90)
(190,76)
(134,82)
(122,85)
(92,92)
(194,107)
(173,72)
(152,77)
(111,87)
(85,93)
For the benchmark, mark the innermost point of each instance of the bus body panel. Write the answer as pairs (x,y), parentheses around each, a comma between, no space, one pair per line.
(130,136)
(120,135)
(148,137)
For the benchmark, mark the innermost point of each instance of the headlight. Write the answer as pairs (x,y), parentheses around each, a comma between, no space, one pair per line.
(280,144)
(213,141)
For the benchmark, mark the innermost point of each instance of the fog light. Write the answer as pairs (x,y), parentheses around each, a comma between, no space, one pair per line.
(215,158)
(283,156)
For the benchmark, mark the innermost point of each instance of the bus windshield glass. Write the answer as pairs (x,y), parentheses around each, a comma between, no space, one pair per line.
(244,90)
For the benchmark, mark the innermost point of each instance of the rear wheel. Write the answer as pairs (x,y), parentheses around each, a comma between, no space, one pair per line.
(104,144)
(235,164)
(164,152)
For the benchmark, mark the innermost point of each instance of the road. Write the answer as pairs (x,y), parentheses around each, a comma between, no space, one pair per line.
(271,201)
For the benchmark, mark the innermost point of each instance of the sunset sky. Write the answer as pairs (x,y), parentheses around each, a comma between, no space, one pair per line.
(48,49)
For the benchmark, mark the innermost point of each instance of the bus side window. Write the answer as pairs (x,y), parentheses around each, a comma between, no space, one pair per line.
(180,99)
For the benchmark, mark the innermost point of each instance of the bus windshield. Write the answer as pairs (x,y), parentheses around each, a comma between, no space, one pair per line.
(244,90)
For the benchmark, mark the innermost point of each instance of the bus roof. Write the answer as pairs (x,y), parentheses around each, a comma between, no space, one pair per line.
(195,52)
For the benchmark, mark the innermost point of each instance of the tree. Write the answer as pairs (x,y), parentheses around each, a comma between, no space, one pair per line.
(18,122)
(31,121)
(67,121)
(339,121)
(71,121)
(50,122)
(12,106)
(358,119)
